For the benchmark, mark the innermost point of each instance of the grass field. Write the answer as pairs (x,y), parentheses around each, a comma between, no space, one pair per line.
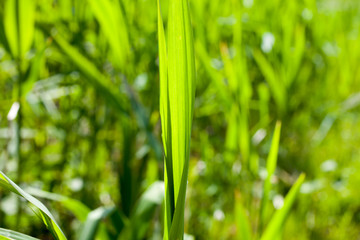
(180,119)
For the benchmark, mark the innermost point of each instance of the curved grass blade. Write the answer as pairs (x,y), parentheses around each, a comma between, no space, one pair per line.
(76,207)
(6,234)
(145,208)
(273,230)
(46,216)
(93,221)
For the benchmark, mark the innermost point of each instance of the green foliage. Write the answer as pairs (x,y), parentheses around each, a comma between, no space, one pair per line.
(79,210)
(82,130)
(43,212)
(270,169)
(242,221)
(177,93)
(275,225)
(19,17)
(110,16)
(6,234)
(93,221)
(100,82)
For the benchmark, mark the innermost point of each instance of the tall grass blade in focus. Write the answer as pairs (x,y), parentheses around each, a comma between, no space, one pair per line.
(177,93)
(80,119)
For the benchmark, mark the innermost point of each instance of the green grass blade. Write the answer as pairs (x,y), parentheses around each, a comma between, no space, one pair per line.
(145,208)
(264,97)
(278,220)
(33,76)
(177,226)
(76,207)
(3,38)
(11,26)
(47,217)
(277,87)
(93,221)
(180,87)
(164,99)
(6,234)
(241,219)
(19,22)
(126,178)
(177,93)
(214,75)
(143,120)
(103,85)
(111,19)
(270,168)
(165,125)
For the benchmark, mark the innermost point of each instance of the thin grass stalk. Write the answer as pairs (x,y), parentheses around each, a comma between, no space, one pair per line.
(270,168)
(18,138)
(19,114)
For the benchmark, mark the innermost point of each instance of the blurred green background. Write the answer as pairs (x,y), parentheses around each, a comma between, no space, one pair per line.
(79,112)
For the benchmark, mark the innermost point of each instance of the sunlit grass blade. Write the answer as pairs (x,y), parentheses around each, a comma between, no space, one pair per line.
(270,168)
(6,234)
(46,216)
(275,225)
(177,93)
(76,207)
(165,126)
(112,23)
(19,25)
